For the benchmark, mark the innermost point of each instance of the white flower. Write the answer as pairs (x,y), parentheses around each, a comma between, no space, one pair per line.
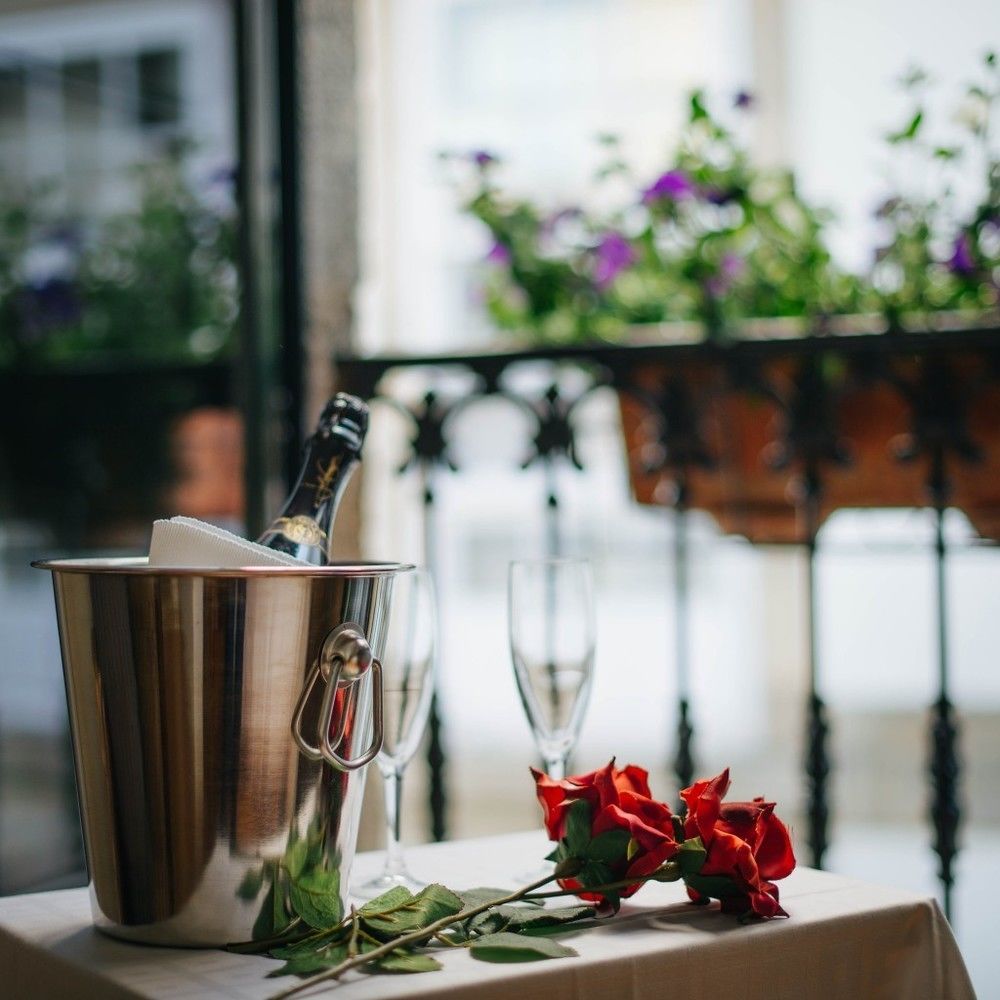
(973,112)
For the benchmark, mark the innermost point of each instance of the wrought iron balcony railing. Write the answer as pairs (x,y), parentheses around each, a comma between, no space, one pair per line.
(769,435)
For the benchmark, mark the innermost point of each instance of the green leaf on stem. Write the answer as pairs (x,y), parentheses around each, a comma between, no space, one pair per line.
(389,900)
(316,899)
(263,926)
(690,857)
(311,946)
(488,894)
(295,858)
(507,947)
(308,965)
(595,873)
(273,918)
(517,919)
(403,961)
(251,884)
(698,110)
(609,847)
(489,922)
(577,835)
(413,914)
(520,919)
(909,131)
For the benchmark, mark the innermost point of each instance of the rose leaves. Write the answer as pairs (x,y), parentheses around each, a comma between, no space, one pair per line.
(317,938)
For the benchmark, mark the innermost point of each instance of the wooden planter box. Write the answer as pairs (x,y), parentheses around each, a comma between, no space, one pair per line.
(882,397)
(85,450)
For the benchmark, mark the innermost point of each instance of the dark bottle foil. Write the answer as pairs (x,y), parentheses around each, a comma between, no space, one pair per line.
(304,526)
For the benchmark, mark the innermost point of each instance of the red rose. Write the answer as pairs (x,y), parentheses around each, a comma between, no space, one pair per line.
(748,848)
(626,833)
(600,788)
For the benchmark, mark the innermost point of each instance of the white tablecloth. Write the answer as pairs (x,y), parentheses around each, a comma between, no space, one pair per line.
(844,939)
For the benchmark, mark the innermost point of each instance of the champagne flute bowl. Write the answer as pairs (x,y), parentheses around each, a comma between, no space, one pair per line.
(551,623)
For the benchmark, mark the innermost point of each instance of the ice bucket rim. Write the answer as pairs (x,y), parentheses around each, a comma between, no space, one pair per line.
(139,566)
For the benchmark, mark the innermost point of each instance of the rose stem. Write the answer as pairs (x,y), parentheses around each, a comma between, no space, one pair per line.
(656,876)
(412,938)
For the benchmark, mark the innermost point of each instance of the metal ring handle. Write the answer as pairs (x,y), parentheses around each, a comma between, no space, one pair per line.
(327,745)
(344,659)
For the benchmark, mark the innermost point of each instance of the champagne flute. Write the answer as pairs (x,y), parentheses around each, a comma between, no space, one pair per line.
(551,621)
(408,669)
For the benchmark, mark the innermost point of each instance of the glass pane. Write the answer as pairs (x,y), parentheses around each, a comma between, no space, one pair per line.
(81,86)
(159,87)
(118,312)
(12,121)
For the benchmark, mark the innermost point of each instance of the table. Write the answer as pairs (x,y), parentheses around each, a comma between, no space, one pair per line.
(844,939)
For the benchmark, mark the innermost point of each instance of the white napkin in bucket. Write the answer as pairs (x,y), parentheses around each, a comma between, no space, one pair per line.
(189,543)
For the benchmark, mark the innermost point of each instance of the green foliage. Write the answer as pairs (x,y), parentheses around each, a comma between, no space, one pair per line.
(719,240)
(302,924)
(520,919)
(157,281)
(402,915)
(315,897)
(690,857)
(484,894)
(507,947)
(936,253)
(404,961)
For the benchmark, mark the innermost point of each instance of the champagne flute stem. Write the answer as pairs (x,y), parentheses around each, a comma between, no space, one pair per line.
(392,786)
(555,767)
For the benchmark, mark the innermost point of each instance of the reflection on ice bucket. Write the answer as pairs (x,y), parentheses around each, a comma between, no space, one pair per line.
(198,805)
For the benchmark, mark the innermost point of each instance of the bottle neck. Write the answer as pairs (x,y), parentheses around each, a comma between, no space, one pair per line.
(304,526)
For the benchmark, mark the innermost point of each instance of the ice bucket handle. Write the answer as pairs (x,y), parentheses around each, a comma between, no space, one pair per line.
(344,658)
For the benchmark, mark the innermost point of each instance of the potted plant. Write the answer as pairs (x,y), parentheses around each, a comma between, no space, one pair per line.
(716,249)
(112,328)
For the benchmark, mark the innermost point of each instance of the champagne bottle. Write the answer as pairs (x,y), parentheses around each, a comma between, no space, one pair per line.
(304,526)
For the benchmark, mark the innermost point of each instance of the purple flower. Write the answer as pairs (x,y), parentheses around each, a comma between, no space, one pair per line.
(731,266)
(674,185)
(613,255)
(50,305)
(482,159)
(743,100)
(499,254)
(961,260)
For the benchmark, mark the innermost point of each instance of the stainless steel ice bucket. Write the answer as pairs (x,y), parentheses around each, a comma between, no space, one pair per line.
(220,719)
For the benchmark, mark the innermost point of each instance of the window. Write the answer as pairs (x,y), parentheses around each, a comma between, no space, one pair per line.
(159,88)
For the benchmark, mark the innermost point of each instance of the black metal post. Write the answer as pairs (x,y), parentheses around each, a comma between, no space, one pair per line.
(683,759)
(258,213)
(817,762)
(286,13)
(939,430)
(553,538)
(944,734)
(437,791)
